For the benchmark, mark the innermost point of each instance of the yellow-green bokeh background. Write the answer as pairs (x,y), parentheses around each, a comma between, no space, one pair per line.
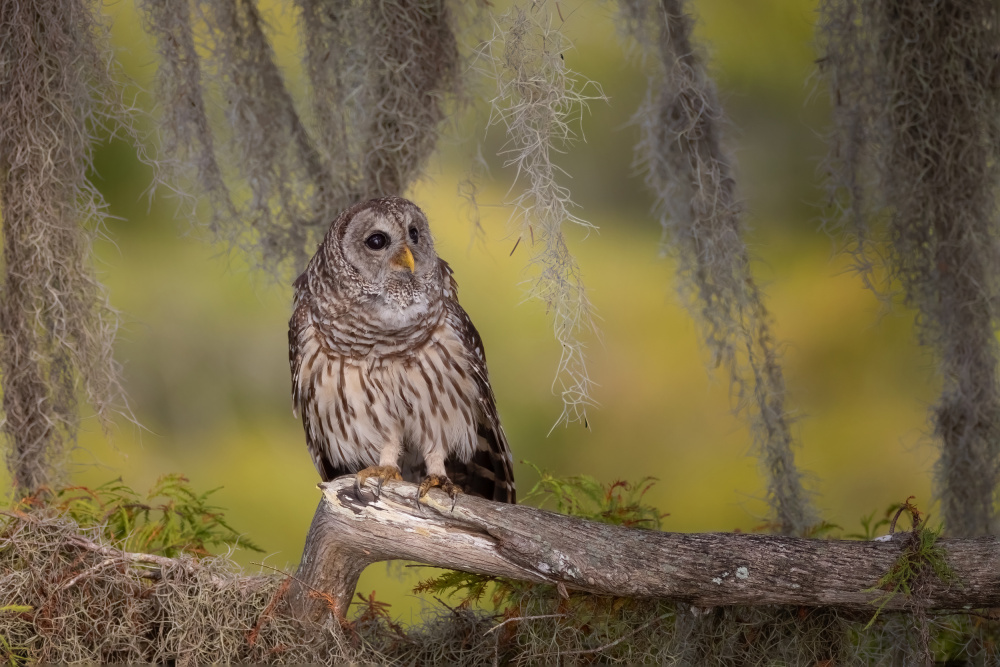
(203,339)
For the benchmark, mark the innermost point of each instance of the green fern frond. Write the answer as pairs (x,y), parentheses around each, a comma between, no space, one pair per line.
(170,519)
(619,503)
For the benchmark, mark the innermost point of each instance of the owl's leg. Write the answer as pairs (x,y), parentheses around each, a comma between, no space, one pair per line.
(382,473)
(440,481)
(437,477)
(387,468)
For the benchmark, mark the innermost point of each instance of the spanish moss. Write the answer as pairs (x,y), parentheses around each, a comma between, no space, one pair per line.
(914,166)
(692,179)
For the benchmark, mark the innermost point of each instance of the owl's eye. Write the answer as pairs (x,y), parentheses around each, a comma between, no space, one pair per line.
(414,234)
(376,241)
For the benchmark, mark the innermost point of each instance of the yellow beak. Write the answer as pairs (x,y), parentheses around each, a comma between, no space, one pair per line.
(404,259)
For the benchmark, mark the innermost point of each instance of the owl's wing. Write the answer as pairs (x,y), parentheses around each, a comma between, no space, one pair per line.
(297,324)
(490,471)
(300,358)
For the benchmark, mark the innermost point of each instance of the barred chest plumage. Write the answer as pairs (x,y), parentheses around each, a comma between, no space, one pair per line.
(414,401)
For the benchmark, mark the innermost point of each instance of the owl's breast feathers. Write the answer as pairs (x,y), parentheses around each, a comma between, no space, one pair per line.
(357,390)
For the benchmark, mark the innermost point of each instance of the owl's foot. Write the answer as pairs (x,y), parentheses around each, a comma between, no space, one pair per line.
(382,473)
(442,482)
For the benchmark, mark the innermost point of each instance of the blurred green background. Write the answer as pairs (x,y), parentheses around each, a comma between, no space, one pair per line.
(203,337)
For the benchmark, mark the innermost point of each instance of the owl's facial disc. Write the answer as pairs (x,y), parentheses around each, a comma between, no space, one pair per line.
(389,246)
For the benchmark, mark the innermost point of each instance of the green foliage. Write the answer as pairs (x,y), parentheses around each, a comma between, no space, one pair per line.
(9,654)
(618,503)
(14,656)
(170,519)
(470,586)
(820,529)
(870,527)
(920,558)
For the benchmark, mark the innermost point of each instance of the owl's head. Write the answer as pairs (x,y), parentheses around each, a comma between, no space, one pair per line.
(380,253)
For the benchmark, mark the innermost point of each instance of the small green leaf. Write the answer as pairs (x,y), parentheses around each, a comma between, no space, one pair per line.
(16,608)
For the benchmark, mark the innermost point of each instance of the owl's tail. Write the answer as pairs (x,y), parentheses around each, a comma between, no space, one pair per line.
(490,472)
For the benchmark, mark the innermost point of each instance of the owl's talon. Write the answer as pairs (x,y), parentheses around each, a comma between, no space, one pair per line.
(382,473)
(442,482)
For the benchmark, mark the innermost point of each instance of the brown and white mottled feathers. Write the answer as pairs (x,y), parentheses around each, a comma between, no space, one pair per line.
(387,368)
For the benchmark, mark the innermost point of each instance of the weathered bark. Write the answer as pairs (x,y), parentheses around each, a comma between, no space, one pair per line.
(708,569)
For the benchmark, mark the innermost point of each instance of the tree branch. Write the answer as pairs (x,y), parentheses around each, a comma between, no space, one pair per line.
(349,533)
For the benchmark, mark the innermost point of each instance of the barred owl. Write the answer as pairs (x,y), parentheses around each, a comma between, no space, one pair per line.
(388,372)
